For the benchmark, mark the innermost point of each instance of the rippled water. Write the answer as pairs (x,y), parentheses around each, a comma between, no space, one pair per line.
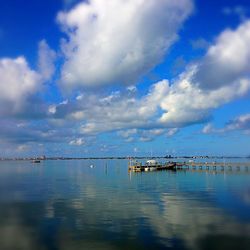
(68,205)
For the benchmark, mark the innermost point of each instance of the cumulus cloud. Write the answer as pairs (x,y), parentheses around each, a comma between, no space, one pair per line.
(16,134)
(168,106)
(150,135)
(186,103)
(163,110)
(227,61)
(216,79)
(116,41)
(144,135)
(117,111)
(20,85)
(17,82)
(241,122)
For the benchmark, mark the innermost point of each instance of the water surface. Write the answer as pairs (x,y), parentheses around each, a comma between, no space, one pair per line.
(68,205)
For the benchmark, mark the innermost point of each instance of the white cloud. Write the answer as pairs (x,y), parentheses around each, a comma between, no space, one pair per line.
(167,107)
(78,115)
(172,132)
(121,110)
(77,142)
(155,132)
(22,148)
(127,133)
(144,135)
(150,135)
(46,58)
(17,83)
(52,109)
(186,103)
(208,129)
(129,139)
(241,122)
(228,60)
(221,76)
(145,139)
(117,41)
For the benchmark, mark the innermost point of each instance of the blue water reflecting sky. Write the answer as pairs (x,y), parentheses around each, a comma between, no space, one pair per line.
(68,205)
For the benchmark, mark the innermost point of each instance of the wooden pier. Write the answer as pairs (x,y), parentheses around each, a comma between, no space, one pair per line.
(214,166)
(175,166)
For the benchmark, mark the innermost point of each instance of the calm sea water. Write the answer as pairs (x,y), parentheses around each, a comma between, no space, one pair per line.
(68,205)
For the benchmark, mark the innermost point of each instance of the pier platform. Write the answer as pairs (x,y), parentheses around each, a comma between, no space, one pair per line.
(175,166)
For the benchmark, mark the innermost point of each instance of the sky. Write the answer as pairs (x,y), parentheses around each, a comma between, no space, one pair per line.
(124,78)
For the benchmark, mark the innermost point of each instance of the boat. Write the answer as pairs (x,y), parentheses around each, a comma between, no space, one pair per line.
(150,165)
(36,161)
(151,162)
(150,168)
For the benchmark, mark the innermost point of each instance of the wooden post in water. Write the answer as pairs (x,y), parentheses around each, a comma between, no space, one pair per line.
(106,168)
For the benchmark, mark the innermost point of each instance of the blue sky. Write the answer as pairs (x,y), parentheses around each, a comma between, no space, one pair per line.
(121,77)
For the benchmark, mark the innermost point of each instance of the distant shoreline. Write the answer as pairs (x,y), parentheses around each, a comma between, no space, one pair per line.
(120,158)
